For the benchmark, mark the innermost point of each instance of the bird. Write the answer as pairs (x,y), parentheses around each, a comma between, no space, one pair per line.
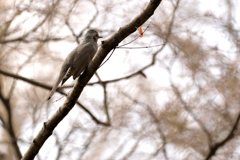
(78,60)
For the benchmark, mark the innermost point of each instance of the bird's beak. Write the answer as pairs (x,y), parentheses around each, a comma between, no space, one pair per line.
(100,37)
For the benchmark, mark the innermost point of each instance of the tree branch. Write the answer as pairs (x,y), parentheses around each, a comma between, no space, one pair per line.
(216,146)
(59,90)
(106,47)
(9,125)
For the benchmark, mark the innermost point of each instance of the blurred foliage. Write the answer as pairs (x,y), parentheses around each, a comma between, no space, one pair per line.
(187,107)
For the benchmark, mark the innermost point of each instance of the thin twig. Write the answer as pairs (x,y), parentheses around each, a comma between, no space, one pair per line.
(139,47)
(107,58)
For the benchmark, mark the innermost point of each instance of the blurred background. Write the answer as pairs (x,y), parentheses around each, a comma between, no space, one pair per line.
(178,100)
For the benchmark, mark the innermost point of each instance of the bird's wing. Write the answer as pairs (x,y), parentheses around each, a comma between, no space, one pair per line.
(62,73)
(67,75)
(82,58)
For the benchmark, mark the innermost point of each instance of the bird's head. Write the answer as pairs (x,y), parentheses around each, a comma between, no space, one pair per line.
(93,34)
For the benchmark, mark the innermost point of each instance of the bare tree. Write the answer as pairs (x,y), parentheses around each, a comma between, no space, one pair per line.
(171,93)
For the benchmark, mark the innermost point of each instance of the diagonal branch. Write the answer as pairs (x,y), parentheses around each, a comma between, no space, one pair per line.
(25,40)
(59,90)
(216,146)
(26,80)
(106,47)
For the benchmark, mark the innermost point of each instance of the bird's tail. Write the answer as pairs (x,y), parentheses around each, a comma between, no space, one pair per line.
(60,77)
(65,78)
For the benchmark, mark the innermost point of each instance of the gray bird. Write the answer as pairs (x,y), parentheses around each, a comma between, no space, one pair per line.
(78,60)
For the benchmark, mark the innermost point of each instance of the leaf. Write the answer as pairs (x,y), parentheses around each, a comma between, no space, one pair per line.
(140,31)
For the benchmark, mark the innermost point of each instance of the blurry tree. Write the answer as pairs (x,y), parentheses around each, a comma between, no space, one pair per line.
(172,94)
